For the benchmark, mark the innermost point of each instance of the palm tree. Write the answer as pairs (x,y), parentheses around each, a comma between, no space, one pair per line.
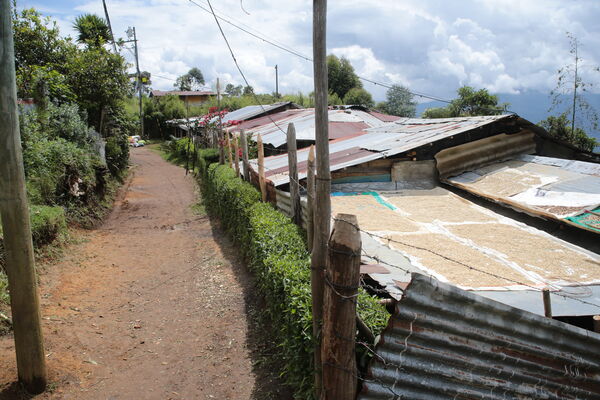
(92,30)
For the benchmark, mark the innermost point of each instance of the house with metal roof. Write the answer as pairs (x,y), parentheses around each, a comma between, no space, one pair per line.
(408,181)
(189,97)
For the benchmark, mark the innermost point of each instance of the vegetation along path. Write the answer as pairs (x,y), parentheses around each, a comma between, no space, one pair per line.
(150,305)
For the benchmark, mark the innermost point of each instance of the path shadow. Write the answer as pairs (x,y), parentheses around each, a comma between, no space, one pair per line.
(268,384)
(14,391)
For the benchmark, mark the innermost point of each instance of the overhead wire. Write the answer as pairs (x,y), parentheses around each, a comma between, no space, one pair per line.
(288,49)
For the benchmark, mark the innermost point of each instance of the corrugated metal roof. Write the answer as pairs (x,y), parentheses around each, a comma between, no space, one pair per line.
(546,187)
(383,141)
(341,123)
(445,343)
(248,112)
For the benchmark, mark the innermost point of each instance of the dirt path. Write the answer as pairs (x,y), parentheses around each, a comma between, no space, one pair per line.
(152,305)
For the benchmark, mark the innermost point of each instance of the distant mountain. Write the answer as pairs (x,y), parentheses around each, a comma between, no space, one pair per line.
(531,105)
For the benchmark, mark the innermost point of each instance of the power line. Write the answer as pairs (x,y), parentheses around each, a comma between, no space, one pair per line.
(288,49)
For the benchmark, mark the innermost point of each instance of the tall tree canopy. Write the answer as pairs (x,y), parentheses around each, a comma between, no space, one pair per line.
(91,30)
(341,76)
(470,102)
(359,97)
(192,80)
(560,127)
(399,101)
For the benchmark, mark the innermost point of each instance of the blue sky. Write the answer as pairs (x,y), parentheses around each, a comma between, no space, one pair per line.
(432,46)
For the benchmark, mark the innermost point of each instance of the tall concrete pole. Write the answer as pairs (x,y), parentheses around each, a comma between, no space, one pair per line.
(14,212)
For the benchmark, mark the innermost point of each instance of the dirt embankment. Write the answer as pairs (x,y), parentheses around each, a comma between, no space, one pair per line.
(151,305)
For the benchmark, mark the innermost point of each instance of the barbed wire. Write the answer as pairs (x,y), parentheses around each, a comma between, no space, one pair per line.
(470,267)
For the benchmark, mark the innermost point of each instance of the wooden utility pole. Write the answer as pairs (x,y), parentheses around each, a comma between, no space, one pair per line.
(220,129)
(245,165)
(14,212)
(339,310)
(112,37)
(322,214)
(296,208)
(139,79)
(236,149)
(310,200)
(261,168)
(276,82)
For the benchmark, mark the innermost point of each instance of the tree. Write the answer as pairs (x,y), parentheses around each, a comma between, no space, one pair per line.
(91,30)
(399,101)
(470,102)
(99,80)
(192,80)
(232,90)
(561,128)
(248,90)
(571,88)
(359,97)
(341,76)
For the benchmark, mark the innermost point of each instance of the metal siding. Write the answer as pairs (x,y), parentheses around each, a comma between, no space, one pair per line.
(446,343)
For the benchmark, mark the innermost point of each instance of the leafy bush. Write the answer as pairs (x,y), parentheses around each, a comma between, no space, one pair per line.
(117,154)
(277,255)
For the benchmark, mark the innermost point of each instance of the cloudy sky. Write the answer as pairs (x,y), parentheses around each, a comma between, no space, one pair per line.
(431,46)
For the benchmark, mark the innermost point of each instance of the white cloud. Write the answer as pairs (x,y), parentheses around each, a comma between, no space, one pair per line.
(433,47)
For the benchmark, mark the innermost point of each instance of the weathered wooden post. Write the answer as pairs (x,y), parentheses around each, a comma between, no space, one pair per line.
(228,144)
(339,310)
(296,207)
(310,198)
(547,302)
(220,128)
(261,168)
(236,149)
(245,164)
(596,320)
(322,213)
(14,212)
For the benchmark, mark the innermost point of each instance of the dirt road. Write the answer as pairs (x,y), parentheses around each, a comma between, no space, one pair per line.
(151,305)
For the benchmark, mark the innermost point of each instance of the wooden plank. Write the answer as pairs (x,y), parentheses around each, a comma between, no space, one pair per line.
(236,150)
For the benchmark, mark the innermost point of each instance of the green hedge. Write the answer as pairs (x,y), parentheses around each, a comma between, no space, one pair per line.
(275,249)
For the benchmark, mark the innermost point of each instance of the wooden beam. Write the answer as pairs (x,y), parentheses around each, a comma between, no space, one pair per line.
(236,150)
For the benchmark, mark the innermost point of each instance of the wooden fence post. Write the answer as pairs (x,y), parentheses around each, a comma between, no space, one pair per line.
(310,198)
(339,310)
(547,302)
(14,211)
(236,149)
(228,144)
(295,205)
(596,320)
(220,129)
(245,165)
(261,168)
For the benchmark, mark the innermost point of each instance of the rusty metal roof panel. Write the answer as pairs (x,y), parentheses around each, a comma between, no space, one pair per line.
(446,343)
(409,133)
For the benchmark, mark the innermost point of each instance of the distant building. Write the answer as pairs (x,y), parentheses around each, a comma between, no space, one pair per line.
(190,97)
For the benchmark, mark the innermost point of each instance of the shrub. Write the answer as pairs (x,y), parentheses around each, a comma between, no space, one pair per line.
(117,154)
(277,255)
